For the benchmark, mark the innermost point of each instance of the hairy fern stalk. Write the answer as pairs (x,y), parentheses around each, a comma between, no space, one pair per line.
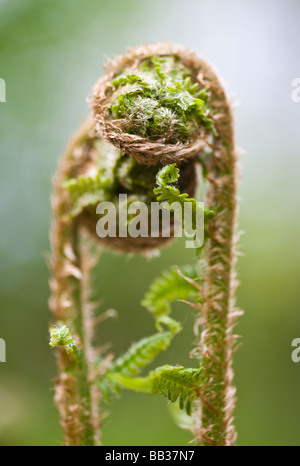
(157,114)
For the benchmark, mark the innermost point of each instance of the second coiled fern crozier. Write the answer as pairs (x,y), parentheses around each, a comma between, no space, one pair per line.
(159,115)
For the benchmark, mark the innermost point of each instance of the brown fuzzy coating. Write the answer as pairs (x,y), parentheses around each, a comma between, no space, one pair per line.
(215,423)
(145,151)
(79,417)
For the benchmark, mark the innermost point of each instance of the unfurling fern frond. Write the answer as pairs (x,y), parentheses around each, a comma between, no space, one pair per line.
(136,358)
(172,382)
(62,337)
(175,200)
(169,287)
(142,353)
(85,191)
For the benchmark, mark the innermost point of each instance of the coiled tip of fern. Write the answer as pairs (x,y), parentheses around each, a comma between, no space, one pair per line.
(152,104)
(98,172)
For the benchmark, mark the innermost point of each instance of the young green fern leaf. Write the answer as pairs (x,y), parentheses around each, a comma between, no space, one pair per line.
(173,199)
(61,336)
(139,355)
(97,184)
(85,191)
(142,353)
(172,382)
(169,287)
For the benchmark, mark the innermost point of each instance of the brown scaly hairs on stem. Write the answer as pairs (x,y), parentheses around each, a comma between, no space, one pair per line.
(158,104)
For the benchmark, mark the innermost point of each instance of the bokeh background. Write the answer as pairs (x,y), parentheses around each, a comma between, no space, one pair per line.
(51,55)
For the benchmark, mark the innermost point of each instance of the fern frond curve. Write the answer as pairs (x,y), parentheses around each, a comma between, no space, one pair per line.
(135,359)
(171,286)
(85,191)
(170,195)
(173,382)
(141,354)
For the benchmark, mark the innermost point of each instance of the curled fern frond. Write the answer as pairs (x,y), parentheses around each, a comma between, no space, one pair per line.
(171,196)
(152,100)
(160,104)
(85,191)
(96,183)
(169,287)
(61,336)
(142,353)
(172,382)
(135,359)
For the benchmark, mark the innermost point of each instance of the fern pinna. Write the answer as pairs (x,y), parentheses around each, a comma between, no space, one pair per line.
(159,114)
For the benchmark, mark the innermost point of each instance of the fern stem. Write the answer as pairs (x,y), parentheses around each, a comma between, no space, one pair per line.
(69,284)
(87,261)
(214,425)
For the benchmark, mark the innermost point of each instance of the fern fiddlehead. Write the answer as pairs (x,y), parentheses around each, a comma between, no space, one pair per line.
(157,105)
(214,425)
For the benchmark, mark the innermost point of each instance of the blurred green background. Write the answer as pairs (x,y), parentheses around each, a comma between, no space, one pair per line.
(51,55)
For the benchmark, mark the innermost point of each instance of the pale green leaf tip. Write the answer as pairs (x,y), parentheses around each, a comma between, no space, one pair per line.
(61,336)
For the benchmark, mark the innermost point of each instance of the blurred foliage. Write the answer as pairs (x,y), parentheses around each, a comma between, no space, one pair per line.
(51,55)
